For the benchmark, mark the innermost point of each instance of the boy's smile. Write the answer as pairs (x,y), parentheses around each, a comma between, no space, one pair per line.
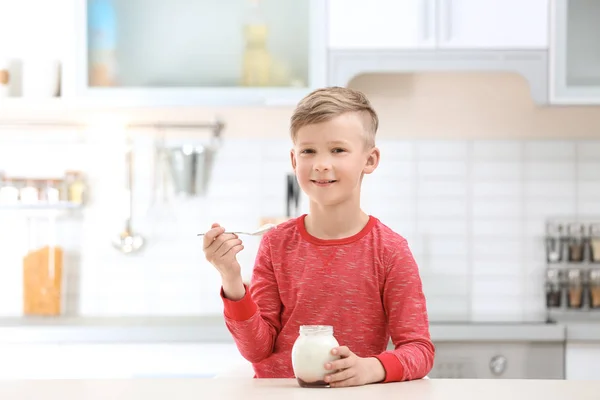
(323,183)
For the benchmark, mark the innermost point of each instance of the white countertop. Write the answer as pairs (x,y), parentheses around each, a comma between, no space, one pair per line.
(265,389)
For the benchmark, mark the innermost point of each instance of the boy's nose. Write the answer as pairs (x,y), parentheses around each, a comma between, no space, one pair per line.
(322,166)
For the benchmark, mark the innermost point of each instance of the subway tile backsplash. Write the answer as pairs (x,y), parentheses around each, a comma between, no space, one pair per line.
(473,212)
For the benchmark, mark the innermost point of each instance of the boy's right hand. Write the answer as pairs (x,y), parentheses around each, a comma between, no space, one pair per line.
(220,249)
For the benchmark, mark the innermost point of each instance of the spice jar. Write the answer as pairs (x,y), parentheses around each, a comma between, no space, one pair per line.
(76,187)
(29,193)
(49,191)
(5,78)
(595,243)
(310,353)
(554,243)
(576,243)
(595,288)
(575,288)
(9,194)
(553,289)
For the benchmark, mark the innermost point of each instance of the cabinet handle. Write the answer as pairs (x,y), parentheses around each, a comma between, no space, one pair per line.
(448,18)
(425,18)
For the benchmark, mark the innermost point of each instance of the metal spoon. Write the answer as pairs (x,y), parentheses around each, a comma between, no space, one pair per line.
(128,242)
(263,229)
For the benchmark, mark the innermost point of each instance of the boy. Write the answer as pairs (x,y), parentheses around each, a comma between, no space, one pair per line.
(334,266)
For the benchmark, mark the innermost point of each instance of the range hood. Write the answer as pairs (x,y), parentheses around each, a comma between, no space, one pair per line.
(531,65)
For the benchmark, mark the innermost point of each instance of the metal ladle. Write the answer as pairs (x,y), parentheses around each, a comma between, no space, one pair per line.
(128,242)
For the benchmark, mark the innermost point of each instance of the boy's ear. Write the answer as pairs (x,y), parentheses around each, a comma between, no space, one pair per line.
(372,160)
(293,159)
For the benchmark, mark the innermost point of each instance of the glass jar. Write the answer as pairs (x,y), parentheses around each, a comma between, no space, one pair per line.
(43,268)
(29,193)
(43,286)
(576,243)
(9,194)
(553,289)
(49,191)
(575,288)
(76,187)
(595,288)
(554,243)
(595,243)
(310,353)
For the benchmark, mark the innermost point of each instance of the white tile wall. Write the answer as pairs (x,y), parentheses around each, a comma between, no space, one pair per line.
(473,212)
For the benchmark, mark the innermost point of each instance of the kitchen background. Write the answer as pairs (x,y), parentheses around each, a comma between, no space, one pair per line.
(473,166)
(474,210)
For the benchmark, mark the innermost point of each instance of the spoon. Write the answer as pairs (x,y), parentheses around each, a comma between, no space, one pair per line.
(127,241)
(263,229)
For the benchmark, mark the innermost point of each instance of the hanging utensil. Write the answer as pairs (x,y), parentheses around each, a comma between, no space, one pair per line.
(191,164)
(128,242)
(292,196)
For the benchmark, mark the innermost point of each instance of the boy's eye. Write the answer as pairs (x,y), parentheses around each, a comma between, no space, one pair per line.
(307,151)
(338,150)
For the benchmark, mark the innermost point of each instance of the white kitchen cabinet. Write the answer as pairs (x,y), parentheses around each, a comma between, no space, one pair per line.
(574,52)
(374,24)
(33,36)
(492,24)
(440,24)
(33,29)
(117,361)
(206,53)
(582,360)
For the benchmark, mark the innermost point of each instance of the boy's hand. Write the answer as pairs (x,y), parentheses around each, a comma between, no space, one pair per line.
(352,370)
(220,249)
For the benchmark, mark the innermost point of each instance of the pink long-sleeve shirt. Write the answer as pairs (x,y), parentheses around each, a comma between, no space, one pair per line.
(366,286)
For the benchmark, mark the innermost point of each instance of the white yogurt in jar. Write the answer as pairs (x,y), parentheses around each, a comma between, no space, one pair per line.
(310,353)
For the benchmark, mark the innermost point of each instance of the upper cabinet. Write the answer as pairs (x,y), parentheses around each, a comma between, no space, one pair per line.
(492,24)
(210,52)
(442,24)
(381,24)
(575,52)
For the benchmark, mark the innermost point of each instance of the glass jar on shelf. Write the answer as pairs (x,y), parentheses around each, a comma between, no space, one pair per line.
(576,243)
(75,186)
(9,194)
(554,243)
(594,242)
(50,191)
(575,285)
(553,288)
(594,284)
(43,269)
(29,193)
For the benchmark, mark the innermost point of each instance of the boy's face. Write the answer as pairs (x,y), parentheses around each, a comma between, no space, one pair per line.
(330,158)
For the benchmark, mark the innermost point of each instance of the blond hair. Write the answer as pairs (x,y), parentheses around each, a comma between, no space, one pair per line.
(327,103)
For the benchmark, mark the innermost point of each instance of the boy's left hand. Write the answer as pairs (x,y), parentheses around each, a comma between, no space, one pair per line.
(352,370)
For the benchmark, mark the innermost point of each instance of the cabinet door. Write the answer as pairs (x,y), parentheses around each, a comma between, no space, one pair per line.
(574,52)
(582,361)
(493,24)
(211,52)
(377,24)
(120,361)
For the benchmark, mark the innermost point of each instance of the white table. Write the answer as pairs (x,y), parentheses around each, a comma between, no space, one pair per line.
(287,389)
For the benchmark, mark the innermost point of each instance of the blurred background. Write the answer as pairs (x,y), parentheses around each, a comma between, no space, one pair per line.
(129,126)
